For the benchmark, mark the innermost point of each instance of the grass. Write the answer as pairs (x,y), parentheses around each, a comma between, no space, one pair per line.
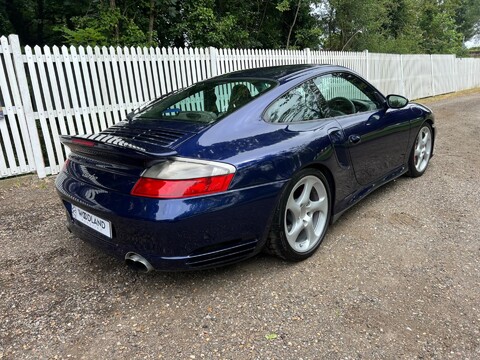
(431,99)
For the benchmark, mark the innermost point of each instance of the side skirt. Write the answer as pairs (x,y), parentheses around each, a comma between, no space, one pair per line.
(358,195)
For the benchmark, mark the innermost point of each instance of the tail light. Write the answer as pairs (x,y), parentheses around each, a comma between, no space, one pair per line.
(65,165)
(84,142)
(180,178)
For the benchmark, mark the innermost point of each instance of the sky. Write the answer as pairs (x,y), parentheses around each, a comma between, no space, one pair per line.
(473,42)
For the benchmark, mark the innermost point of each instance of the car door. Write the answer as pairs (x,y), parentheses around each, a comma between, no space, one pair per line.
(376,137)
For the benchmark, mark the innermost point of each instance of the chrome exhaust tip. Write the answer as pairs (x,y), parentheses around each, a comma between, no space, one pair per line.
(138,262)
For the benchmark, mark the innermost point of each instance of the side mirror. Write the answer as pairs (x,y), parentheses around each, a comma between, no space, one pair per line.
(396,101)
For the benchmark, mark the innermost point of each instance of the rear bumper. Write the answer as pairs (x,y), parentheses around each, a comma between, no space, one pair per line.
(175,234)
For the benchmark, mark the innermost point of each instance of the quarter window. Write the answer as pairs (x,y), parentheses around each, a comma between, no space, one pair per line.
(300,104)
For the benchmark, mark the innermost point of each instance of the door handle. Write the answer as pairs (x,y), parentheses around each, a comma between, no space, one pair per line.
(354,139)
(372,119)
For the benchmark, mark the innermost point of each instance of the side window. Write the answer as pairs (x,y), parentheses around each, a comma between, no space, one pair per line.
(346,94)
(222,98)
(234,94)
(299,104)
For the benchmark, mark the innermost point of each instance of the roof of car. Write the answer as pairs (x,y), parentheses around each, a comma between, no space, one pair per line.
(279,73)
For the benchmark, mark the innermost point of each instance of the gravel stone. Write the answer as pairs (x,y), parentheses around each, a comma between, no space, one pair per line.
(396,277)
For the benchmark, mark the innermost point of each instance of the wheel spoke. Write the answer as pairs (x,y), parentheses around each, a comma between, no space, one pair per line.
(417,151)
(421,141)
(293,206)
(307,189)
(310,229)
(318,205)
(297,228)
(418,164)
(425,138)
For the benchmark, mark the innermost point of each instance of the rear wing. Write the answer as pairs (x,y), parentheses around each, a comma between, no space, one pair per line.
(114,148)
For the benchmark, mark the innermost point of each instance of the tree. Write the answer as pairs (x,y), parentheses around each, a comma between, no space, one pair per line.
(104,25)
(400,26)
(467,17)
(347,18)
(440,34)
(6,27)
(303,28)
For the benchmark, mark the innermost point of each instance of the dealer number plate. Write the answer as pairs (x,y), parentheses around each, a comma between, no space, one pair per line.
(93,222)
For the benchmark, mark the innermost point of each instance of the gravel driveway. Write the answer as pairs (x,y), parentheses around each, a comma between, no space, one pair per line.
(397,277)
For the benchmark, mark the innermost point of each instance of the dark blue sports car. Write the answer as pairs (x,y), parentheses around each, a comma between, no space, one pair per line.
(256,159)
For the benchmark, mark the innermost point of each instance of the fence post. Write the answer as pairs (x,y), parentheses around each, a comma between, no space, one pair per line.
(431,75)
(367,65)
(27,105)
(402,76)
(308,56)
(456,84)
(213,61)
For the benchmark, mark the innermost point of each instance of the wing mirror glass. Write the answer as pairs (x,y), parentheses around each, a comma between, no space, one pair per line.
(396,101)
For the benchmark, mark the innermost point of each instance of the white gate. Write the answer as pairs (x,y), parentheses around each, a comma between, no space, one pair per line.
(19,145)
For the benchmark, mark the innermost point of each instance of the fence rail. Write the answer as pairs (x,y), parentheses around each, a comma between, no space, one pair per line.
(45,92)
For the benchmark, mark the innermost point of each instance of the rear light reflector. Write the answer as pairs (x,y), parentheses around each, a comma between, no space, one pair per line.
(83,142)
(180,178)
(169,189)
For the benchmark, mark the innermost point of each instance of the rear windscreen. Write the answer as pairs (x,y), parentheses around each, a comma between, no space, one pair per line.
(207,101)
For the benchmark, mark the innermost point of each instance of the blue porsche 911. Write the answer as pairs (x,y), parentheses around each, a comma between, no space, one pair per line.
(256,159)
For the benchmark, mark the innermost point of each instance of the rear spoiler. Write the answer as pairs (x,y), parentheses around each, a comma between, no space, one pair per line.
(114,148)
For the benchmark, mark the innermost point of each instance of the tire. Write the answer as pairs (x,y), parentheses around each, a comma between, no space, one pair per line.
(302,216)
(421,152)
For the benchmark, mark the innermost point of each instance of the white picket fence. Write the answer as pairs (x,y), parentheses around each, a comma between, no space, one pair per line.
(45,92)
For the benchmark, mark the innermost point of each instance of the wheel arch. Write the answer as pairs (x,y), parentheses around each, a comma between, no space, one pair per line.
(430,122)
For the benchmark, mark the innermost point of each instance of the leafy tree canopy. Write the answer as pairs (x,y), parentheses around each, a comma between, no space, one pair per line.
(397,26)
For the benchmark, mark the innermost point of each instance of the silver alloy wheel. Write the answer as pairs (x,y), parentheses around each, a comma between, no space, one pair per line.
(306,214)
(423,149)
